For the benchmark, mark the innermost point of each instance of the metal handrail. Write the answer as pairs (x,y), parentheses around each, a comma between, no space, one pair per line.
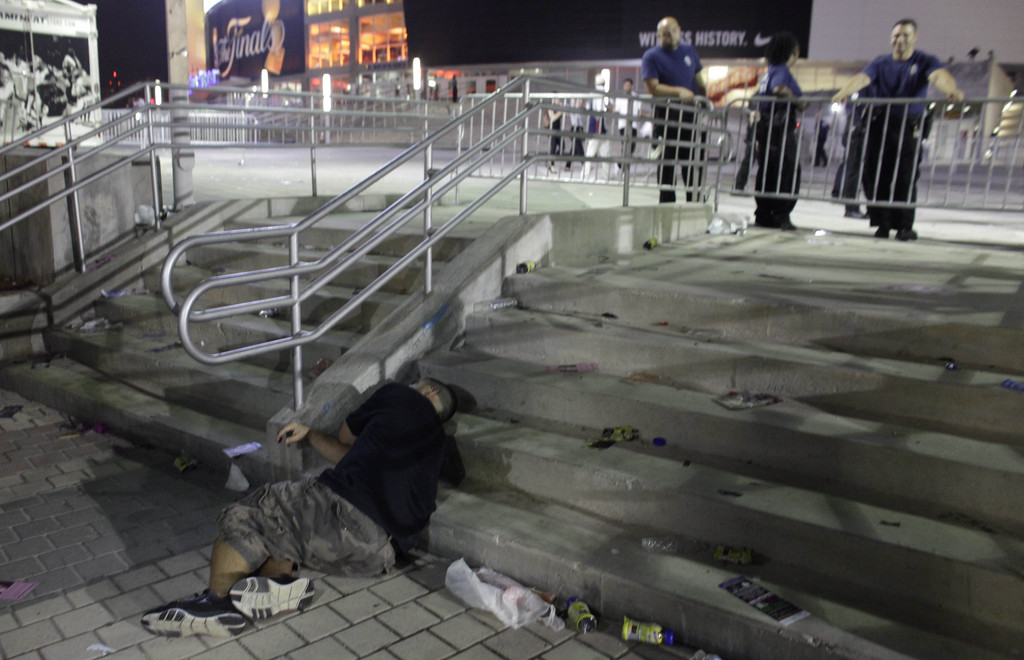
(132,133)
(509,133)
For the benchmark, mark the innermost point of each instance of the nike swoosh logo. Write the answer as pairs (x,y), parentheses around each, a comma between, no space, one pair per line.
(760,41)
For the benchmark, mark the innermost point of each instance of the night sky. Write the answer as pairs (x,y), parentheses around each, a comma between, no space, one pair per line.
(132,41)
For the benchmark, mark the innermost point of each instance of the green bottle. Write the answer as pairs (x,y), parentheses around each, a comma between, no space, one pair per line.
(579,615)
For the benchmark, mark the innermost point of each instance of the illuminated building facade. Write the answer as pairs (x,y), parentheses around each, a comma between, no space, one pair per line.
(361,44)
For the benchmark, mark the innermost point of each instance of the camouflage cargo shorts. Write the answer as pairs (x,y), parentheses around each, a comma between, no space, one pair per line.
(308,523)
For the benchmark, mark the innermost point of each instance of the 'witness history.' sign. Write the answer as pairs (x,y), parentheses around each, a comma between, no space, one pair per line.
(466,32)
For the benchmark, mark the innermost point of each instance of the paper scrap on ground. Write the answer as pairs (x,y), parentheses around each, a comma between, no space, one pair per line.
(743,400)
(242,449)
(16,590)
(760,598)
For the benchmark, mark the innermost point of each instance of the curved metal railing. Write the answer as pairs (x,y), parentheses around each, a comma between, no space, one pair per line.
(510,134)
(225,118)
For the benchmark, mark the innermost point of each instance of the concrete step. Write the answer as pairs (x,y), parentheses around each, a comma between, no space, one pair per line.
(148,315)
(560,549)
(792,443)
(333,229)
(91,396)
(319,306)
(696,298)
(870,557)
(235,258)
(966,402)
(247,394)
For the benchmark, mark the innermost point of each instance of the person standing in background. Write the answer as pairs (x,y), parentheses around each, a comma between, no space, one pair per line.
(894,132)
(673,70)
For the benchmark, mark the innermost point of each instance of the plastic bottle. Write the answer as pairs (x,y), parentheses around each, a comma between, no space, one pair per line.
(526,267)
(651,243)
(659,544)
(496,304)
(579,616)
(647,633)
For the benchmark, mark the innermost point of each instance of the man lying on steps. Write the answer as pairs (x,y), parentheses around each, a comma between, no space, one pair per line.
(350,520)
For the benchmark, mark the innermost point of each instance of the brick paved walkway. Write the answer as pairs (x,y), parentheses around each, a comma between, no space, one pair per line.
(109,530)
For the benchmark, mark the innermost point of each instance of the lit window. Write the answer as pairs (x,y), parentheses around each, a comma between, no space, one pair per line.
(329,45)
(314,7)
(382,38)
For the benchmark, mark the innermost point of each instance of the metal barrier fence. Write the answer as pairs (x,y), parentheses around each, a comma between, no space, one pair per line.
(968,156)
(596,137)
(891,153)
(245,117)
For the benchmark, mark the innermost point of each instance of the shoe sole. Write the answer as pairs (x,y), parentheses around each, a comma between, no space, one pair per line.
(260,598)
(176,622)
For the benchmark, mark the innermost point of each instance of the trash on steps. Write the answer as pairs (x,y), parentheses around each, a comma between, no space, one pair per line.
(511,602)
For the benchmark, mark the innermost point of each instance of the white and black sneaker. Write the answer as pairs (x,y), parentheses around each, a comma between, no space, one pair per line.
(202,614)
(261,598)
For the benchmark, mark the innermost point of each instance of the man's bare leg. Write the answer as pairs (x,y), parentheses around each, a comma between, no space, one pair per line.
(272,568)
(227,567)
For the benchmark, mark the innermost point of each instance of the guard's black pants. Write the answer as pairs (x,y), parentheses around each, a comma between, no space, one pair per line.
(778,171)
(892,161)
(671,125)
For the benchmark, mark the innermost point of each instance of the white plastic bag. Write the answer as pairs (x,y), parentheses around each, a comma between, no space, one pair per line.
(511,602)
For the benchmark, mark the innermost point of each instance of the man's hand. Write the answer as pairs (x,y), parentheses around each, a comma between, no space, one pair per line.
(292,433)
(956,96)
(686,95)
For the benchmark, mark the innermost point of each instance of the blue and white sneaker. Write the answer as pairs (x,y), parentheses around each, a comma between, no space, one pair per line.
(202,614)
(261,598)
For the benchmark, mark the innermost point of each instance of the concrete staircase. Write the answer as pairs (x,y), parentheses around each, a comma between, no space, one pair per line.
(136,378)
(882,493)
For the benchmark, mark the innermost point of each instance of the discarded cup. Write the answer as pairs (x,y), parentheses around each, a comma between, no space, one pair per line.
(183,462)
(742,556)
(579,615)
(647,633)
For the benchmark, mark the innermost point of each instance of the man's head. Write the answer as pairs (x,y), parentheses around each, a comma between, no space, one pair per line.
(903,38)
(627,86)
(781,48)
(439,394)
(669,33)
